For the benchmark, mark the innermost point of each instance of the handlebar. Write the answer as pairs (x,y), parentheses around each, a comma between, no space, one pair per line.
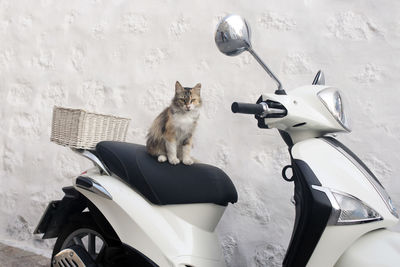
(247,108)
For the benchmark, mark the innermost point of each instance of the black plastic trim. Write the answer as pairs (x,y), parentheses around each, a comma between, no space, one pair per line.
(47,216)
(280,92)
(134,252)
(102,221)
(313,210)
(58,212)
(84,182)
(299,124)
(286,138)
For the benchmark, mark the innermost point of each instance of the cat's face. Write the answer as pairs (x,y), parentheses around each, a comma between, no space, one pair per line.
(187,98)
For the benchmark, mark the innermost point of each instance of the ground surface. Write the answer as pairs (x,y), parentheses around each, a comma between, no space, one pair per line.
(15,257)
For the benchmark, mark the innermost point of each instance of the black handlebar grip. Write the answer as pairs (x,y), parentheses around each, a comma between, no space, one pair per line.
(246,108)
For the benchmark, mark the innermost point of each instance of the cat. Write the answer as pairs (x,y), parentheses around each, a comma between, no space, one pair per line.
(170,135)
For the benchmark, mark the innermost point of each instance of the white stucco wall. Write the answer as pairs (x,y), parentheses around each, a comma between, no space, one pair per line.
(123,58)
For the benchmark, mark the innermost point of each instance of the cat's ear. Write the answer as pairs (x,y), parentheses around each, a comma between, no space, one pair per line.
(197,88)
(178,87)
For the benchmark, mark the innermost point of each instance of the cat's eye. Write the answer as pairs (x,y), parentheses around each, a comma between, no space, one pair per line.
(191,101)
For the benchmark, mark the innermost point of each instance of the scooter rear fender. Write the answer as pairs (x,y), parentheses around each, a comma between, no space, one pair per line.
(59,212)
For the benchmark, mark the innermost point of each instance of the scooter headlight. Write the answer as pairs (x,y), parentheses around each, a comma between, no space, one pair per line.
(353,210)
(333,101)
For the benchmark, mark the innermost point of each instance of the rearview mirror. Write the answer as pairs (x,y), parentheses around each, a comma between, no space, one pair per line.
(233,35)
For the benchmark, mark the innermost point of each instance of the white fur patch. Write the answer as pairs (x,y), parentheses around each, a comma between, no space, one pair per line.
(174,160)
(187,161)
(162,158)
(185,123)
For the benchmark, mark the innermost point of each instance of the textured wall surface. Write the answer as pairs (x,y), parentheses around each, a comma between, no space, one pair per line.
(123,58)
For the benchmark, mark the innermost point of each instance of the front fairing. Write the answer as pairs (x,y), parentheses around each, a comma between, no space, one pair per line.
(333,170)
(336,171)
(307,117)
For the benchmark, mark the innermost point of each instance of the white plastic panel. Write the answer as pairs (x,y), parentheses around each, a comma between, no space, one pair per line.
(378,248)
(162,233)
(304,106)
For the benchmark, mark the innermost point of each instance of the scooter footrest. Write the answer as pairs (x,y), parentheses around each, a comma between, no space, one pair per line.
(74,256)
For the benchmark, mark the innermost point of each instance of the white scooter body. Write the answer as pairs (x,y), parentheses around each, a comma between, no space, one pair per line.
(179,235)
(169,235)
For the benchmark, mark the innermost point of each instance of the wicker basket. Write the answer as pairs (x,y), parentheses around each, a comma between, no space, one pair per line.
(77,128)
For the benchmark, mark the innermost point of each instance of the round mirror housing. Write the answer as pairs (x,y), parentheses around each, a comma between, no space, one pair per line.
(233,35)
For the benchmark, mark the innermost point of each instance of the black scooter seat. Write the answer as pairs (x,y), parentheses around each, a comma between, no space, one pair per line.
(163,183)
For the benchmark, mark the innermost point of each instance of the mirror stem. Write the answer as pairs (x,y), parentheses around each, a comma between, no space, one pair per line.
(280,90)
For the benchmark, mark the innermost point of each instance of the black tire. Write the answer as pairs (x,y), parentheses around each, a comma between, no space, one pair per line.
(79,228)
(115,254)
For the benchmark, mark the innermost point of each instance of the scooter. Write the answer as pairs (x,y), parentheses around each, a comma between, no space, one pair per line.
(130,210)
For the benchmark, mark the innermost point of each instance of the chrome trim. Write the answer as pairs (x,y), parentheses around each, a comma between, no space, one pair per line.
(94,187)
(265,67)
(382,192)
(268,110)
(96,161)
(335,213)
(67,258)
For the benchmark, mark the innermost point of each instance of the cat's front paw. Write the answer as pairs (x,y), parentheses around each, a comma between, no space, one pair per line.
(187,161)
(174,161)
(162,158)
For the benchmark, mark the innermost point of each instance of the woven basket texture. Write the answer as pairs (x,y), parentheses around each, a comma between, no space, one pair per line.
(77,128)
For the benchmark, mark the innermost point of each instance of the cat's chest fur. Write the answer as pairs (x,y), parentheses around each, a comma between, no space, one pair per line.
(184,123)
